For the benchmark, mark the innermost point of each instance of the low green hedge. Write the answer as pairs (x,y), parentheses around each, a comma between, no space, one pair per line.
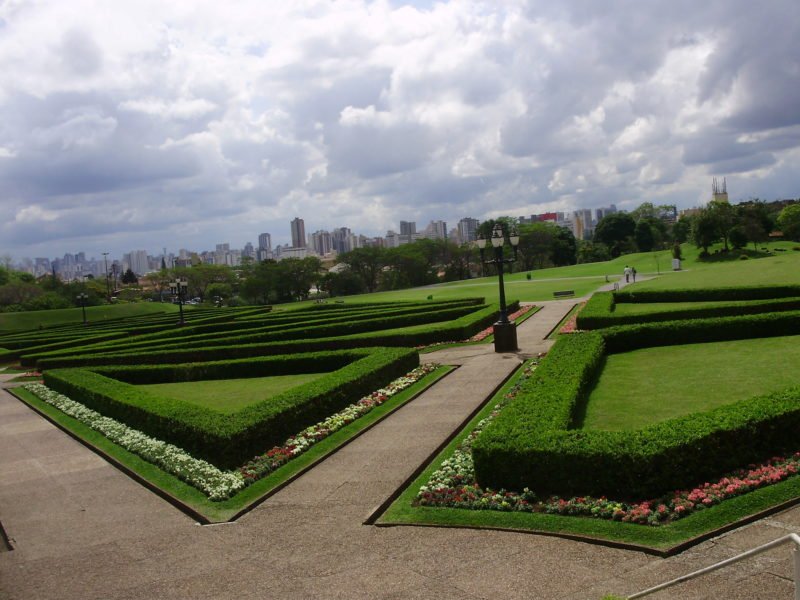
(669,333)
(428,333)
(228,440)
(599,311)
(758,292)
(292,325)
(531,443)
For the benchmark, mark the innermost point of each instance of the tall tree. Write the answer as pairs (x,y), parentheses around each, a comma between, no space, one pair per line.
(789,222)
(615,231)
(705,230)
(366,263)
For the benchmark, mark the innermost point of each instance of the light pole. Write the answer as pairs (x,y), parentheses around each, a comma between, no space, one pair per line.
(108,287)
(177,287)
(505,332)
(82,299)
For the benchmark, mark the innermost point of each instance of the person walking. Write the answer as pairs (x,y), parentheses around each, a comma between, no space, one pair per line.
(627,272)
(633,274)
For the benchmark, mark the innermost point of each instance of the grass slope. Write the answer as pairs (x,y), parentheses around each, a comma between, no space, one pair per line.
(646,386)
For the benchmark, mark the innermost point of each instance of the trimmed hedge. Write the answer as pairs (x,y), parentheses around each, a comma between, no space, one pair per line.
(291,325)
(228,440)
(599,311)
(455,330)
(530,444)
(759,292)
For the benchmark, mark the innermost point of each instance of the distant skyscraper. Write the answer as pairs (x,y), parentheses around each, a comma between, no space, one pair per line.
(436,230)
(468,230)
(408,228)
(605,211)
(298,233)
(265,241)
(138,262)
(340,239)
(321,242)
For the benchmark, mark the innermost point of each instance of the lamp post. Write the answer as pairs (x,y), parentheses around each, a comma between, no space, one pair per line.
(108,287)
(82,299)
(177,287)
(505,332)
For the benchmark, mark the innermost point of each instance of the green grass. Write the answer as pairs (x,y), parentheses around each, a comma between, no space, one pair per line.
(646,308)
(230,395)
(216,512)
(19,321)
(638,388)
(658,539)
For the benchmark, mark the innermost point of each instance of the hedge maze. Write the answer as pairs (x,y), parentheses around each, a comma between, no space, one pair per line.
(359,348)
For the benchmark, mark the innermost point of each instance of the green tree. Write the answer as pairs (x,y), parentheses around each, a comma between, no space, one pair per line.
(737,237)
(645,240)
(536,244)
(616,232)
(589,252)
(724,217)
(565,247)
(705,230)
(366,263)
(129,277)
(756,221)
(789,222)
(682,230)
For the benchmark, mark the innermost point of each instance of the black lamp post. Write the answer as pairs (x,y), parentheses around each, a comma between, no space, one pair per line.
(177,287)
(505,332)
(82,299)
(108,284)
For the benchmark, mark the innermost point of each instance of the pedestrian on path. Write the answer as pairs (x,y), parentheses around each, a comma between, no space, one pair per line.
(633,273)
(627,272)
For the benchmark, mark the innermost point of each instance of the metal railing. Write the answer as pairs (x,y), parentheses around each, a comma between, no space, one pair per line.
(791,538)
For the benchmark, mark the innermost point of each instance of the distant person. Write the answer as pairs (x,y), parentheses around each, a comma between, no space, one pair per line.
(627,272)
(633,274)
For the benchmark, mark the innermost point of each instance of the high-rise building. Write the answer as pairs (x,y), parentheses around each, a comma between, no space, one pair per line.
(719,190)
(298,233)
(468,230)
(265,241)
(408,228)
(341,239)
(138,262)
(604,211)
(436,230)
(249,251)
(321,242)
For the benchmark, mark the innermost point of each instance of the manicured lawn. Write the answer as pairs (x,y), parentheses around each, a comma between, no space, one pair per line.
(650,385)
(18,321)
(230,395)
(646,308)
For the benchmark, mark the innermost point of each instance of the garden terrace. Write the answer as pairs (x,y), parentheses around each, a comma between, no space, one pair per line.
(432,326)
(536,441)
(228,440)
(608,309)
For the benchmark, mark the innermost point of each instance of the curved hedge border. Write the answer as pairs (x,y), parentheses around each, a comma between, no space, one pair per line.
(531,444)
(228,440)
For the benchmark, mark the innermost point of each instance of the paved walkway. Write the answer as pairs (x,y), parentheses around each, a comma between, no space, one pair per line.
(81,529)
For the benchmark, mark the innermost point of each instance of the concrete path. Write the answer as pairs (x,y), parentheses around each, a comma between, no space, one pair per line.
(81,529)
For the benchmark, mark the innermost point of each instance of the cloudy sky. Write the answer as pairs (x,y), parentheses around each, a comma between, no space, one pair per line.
(139,125)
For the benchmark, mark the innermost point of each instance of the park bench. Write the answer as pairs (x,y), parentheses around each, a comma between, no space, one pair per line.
(564,294)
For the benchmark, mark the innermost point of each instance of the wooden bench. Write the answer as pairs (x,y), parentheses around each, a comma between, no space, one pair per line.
(564,294)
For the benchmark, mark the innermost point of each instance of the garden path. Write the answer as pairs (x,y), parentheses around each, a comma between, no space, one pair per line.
(81,529)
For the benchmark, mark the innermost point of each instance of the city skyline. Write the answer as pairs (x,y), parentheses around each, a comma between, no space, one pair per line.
(130,125)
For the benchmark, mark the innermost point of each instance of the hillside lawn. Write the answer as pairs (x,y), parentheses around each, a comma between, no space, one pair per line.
(18,321)
(638,388)
(231,395)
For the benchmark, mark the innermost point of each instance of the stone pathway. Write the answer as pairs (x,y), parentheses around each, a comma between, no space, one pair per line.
(81,529)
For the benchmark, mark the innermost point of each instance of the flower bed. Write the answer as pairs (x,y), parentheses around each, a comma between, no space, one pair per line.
(217,484)
(571,326)
(453,485)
